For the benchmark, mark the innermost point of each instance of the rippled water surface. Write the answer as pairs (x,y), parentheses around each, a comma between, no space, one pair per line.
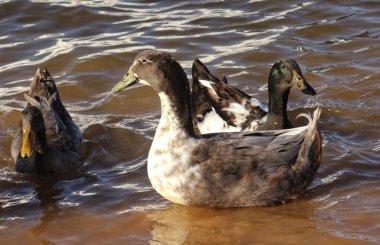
(89,45)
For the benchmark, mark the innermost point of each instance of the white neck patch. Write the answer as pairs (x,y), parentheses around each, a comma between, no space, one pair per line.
(169,160)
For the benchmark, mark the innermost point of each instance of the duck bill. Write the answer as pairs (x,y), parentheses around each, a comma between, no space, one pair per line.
(27,144)
(128,80)
(302,84)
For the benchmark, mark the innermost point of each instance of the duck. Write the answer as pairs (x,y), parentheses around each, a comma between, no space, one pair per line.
(231,169)
(220,107)
(47,141)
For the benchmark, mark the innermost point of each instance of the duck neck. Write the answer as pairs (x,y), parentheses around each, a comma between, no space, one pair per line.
(277,112)
(175,114)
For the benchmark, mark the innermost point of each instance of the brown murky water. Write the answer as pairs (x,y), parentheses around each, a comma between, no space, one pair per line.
(88,47)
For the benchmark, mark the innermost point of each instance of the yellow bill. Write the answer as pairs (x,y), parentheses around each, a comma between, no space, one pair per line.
(301,84)
(27,144)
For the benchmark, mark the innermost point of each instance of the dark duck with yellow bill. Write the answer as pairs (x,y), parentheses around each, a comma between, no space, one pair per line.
(47,141)
(220,107)
(225,169)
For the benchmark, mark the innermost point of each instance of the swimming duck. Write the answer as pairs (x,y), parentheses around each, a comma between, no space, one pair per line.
(47,141)
(220,107)
(221,169)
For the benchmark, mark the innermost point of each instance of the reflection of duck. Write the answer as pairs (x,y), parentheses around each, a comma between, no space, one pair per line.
(48,195)
(223,170)
(220,107)
(179,224)
(47,140)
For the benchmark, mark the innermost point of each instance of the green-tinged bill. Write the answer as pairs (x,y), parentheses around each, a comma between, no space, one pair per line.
(127,80)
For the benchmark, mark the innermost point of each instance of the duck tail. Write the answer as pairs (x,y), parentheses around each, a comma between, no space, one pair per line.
(312,119)
(38,86)
(310,154)
(313,122)
(35,81)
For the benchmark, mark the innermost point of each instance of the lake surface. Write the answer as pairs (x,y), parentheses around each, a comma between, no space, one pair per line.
(89,46)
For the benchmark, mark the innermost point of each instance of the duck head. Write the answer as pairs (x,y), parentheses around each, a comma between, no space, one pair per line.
(156,69)
(283,76)
(33,132)
(286,74)
(165,75)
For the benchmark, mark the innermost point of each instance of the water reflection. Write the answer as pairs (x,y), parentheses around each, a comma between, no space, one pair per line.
(49,195)
(196,225)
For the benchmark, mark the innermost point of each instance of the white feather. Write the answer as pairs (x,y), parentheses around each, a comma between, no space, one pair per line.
(206,83)
(239,111)
(213,123)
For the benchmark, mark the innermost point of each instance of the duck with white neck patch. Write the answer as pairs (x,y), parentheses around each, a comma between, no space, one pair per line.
(219,170)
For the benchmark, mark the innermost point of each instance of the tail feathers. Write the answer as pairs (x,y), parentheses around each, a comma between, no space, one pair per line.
(309,156)
(316,115)
(312,127)
(36,80)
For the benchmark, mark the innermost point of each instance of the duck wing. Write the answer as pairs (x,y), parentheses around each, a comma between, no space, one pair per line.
(272,165)
(200,103)
(234,155)
(58,136)
(236,108)
(43,85)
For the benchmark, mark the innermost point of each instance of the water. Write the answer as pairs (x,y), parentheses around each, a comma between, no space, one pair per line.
(88,47)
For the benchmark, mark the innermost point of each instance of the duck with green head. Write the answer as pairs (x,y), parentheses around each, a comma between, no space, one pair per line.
(220,107)
(224,169)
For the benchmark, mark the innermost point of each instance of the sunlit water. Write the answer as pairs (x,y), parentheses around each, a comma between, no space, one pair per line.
(88,47)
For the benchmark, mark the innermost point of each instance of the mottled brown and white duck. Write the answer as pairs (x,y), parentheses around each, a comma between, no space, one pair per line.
(241,169)
(220,107)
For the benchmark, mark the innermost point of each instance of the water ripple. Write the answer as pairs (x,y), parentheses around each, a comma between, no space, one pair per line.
(88,45)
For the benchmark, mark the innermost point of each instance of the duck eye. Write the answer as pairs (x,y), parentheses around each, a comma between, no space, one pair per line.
(143,61)
(282,67)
